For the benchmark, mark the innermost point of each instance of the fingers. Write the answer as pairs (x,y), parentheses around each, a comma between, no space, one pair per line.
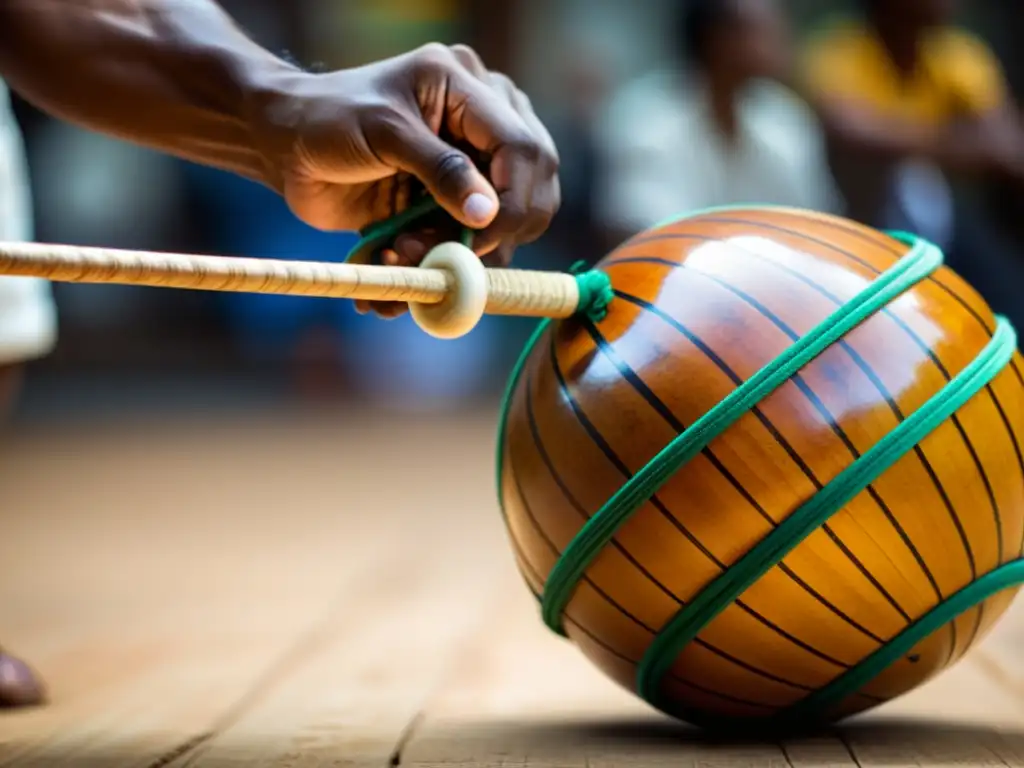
(448,174)
(387,310)
(408,250)
(524,161)
(470,60)
(458,97)
(526,182)
(546,198)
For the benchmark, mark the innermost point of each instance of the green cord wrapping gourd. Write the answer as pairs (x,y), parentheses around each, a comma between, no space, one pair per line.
(781,481)
(763,465)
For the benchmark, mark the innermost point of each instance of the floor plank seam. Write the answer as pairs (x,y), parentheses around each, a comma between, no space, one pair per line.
(182,749)
(849,748)
(407,735)
(785,755)
(187,752)
(447,675)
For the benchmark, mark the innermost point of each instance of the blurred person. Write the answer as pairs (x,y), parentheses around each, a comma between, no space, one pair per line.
(722,128)
(909,102)
(28,328)
(342,148)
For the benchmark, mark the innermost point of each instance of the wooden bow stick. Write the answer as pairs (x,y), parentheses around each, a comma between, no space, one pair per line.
(447,295)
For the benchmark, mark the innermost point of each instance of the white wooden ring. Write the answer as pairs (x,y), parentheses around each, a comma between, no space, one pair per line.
(464,306)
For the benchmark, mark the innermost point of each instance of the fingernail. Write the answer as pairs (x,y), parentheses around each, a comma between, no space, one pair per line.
(478,207)
(390,258)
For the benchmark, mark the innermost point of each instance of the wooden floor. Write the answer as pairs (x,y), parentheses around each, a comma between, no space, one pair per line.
(336,591)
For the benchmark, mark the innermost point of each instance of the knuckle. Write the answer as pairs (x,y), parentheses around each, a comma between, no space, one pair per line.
(549,161)
(468,57)
(451,167)
(468,50)
(521,99)
(528,148)
(432,58)
(502,82)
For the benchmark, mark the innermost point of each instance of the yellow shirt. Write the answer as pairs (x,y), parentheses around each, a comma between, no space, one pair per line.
(958,75)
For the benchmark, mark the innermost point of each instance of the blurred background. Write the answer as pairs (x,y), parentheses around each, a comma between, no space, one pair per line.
(122,349)
(151,525)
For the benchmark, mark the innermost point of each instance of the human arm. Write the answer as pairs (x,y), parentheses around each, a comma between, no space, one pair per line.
(342,147)
(979,145)
(177,76)
(973,134)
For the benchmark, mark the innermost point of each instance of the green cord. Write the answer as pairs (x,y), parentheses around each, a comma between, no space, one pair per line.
(816,706)
(382,233)
(506,406)
(921,261)
(682,628)
(596,293)
(595,534)
(595,288)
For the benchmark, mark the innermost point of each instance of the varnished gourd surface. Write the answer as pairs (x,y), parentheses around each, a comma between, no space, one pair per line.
(701,305)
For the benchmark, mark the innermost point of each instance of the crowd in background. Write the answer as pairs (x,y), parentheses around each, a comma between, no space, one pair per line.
(899,113)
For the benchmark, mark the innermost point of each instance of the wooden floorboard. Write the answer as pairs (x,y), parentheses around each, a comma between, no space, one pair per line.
(193,591)
(526,698)
(335,590)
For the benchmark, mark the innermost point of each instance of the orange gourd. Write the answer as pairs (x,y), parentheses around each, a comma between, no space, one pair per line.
(790,565)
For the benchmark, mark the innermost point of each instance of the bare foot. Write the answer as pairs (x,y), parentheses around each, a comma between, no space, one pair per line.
(19,685)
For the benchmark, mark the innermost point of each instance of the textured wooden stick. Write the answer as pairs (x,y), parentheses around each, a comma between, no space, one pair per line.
(509,292)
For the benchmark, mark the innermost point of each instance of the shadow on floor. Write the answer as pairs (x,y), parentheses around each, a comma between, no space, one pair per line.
(881,742)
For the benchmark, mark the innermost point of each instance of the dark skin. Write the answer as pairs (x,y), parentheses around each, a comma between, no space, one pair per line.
(751,42)
(344,149)
(989,144)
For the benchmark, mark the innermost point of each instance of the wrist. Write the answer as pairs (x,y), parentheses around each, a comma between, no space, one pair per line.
(269,109)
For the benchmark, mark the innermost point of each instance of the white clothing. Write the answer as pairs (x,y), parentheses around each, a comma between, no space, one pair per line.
(662,155)
(28,315)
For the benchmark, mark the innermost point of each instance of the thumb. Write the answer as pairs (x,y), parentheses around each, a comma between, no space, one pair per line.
(447,173)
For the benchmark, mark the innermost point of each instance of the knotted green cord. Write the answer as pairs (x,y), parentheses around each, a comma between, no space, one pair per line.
(595,288)
(596,292)
(687,623)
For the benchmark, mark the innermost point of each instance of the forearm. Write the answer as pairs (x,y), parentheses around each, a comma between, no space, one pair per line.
(964,150)
(173,75)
